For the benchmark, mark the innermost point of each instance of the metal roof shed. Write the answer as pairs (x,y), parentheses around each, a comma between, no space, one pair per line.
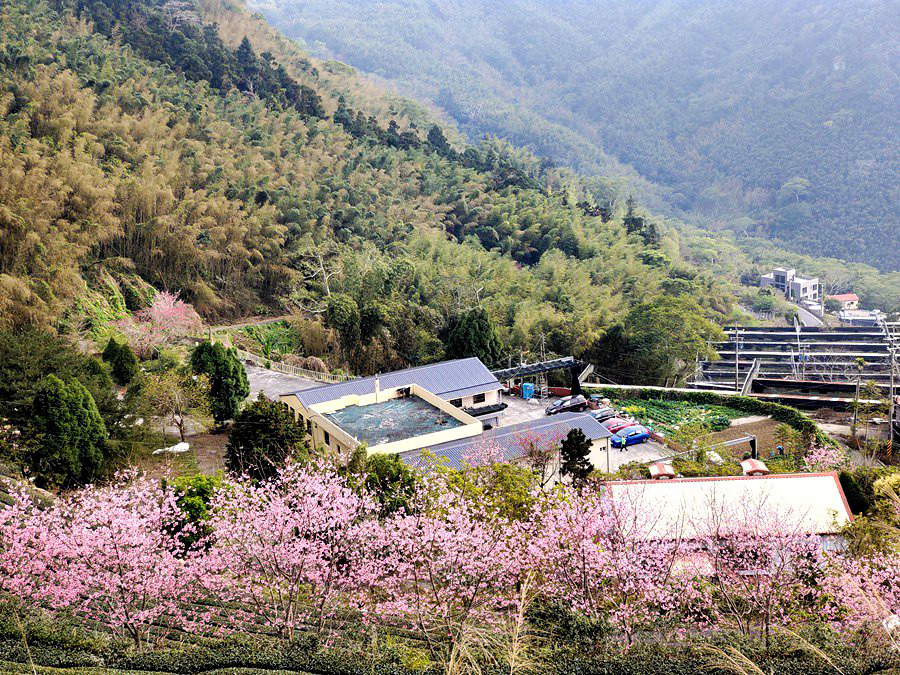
(447,379)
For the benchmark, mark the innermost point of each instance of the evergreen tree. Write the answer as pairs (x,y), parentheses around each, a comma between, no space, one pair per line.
(574,454)
(473,334)
(110,351)
(69,434)
(124,365)
(265,434)
(437,140)
(228,386)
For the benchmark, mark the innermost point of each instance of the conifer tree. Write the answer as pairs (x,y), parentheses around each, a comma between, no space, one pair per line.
(574,453)
(228,386)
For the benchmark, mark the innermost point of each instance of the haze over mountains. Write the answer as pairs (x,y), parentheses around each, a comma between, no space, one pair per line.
(767,117)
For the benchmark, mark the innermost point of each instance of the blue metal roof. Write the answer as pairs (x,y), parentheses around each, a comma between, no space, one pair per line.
(447,379)
(509,439)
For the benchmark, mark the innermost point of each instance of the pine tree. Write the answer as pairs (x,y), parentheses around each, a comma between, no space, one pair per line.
(575,453)
(124,365)
(473,334)
(228,386)
(70,435)
(265,434)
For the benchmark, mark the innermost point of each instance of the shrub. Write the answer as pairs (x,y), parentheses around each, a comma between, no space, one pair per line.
(265,434)
(390,480)
(122,361)
(859,486)
(194,496)
(70,437)
(691,469)
(717,421)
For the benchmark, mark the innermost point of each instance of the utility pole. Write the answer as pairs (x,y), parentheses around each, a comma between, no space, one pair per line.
(859,369)
(542,378)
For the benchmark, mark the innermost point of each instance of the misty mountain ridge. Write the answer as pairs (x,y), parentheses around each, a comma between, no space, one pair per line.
(773,119)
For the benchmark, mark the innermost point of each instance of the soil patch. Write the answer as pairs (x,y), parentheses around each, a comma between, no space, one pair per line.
(210,452)
(767,438)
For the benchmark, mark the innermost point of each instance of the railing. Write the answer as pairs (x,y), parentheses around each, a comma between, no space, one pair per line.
(280,367)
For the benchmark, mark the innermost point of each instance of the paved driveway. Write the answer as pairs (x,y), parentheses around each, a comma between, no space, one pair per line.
(807,318)
(520,410)
(646,452)
(273,384)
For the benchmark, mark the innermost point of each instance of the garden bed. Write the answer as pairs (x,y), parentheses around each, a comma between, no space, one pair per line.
(668,416)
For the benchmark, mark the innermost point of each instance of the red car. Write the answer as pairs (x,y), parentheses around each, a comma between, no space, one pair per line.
(617,424)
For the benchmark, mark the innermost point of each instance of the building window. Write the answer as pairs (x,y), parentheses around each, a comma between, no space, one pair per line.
(478,398)
(327,439)
(457,402)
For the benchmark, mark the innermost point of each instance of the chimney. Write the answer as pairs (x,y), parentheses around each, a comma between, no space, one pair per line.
(377,389)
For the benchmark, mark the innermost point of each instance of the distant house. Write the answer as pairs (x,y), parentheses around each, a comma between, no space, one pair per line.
(860,317)
(846,300)
(401,410)
(794,288)
(683,508)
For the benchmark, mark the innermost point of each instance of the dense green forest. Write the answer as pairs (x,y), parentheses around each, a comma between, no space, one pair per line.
(191,148)
(771,118)
(140,147)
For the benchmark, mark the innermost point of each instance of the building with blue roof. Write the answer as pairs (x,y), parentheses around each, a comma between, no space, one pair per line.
(511,443)
(440,402)
(444,412)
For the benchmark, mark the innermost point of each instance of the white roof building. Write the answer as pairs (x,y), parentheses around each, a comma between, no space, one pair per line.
(688,508)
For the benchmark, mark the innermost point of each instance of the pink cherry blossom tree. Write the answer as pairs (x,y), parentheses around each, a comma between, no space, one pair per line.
(867,593)
(764,567)
(291,549)
(110,553)
(600,558)
(164,321)
(825,458)
(447,566)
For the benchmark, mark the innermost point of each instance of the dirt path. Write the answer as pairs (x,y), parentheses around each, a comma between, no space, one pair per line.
(251,321)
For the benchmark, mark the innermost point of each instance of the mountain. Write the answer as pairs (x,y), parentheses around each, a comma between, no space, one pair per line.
(191,148)
(772,118)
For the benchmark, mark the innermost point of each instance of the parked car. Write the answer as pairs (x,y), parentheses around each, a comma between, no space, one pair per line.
(603,413)
(614,424)
(568,404)
(630,436)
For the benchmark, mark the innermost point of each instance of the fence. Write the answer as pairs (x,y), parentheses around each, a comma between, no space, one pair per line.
(280,367)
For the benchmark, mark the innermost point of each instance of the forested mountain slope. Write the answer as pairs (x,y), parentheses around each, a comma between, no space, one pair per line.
(136,146)
(769,117)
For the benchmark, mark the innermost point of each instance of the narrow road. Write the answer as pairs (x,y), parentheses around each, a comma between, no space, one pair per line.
(252,321)
(807,318)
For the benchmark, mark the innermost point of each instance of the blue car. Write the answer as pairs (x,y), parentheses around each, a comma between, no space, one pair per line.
(630,436)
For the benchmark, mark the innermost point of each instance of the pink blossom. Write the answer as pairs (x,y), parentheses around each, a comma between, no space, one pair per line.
(867,593)
(109,553)
(825,458)
(164,321)
(447,565)
(598,558)
(291,549)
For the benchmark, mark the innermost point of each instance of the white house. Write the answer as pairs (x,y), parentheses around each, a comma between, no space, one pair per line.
(794,288)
